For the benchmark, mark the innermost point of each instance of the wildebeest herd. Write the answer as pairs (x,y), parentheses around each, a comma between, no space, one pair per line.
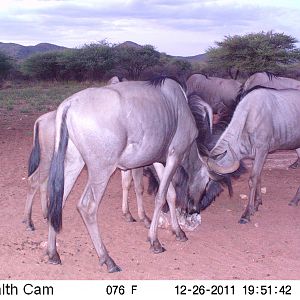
(166,131)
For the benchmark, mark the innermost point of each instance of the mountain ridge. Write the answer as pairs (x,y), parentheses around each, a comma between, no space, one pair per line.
(19,52)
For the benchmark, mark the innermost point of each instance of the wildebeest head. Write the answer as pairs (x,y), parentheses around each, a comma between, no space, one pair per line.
(215,168)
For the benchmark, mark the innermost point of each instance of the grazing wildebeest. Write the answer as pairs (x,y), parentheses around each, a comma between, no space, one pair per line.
(268,79)
(264,121)
(217,92)
(39,166)
(190,181)
(194,189)
(127,125)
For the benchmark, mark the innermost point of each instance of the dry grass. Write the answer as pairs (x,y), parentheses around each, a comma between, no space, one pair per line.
(39,96)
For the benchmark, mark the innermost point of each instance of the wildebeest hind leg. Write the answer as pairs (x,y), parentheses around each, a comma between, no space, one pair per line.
(296,164)
(258,197)
(254,182)
(88,207)
(43,192)
(139,190)
(73,167)
(126,182)
(296,199)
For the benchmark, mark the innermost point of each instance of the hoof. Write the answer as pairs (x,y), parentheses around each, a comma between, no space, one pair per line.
(244,221)
(292,203)
(256,208)
(111,265)
(54,260)
(30,227)
(147,222)
(181,236)
(295,165)
(128,217)
(114,269)
(156,247)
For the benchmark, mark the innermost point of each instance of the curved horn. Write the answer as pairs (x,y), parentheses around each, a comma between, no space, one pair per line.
(224,170)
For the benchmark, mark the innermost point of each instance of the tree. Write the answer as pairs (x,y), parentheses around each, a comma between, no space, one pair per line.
(89,62)
(43,65)
(254,52)
(5,65)
(135,60)
(98,58)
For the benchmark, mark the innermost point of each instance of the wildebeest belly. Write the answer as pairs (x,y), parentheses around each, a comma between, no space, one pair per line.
(143,152)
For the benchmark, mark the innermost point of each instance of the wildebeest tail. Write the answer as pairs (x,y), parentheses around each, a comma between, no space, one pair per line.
(35,155)
(56,177)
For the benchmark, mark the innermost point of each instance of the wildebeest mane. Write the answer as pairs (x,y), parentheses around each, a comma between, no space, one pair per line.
(268,73)
(202,122)
(241,94)
(158,81)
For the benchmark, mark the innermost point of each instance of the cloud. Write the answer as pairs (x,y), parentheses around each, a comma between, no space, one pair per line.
(178,27)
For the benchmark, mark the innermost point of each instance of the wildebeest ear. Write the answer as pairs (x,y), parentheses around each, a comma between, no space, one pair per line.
(219,156)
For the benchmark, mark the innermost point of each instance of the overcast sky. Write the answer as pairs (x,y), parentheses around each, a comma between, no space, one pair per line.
(177,27)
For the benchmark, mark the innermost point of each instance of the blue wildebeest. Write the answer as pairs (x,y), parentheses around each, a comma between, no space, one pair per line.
(193,189)
(268,79)
(217,92)
(39,166)
(127,125)
(264,121)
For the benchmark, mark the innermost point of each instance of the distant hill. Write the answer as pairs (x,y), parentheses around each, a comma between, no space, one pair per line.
(129,44)
(21,52)
(199,57)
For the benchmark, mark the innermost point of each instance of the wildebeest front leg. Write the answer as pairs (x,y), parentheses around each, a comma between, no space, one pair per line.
(33,184)
(258,197)
(296,164)
(296,199)
(88,207)
(137,175)
(254,184)
(165,175)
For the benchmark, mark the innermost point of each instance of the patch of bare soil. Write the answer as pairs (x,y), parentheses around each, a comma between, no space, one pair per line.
(266,248)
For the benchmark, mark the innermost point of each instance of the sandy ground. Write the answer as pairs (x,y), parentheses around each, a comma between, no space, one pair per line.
(266,248)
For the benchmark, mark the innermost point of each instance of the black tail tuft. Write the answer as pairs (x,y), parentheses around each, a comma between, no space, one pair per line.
(56,178)
(35,155)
